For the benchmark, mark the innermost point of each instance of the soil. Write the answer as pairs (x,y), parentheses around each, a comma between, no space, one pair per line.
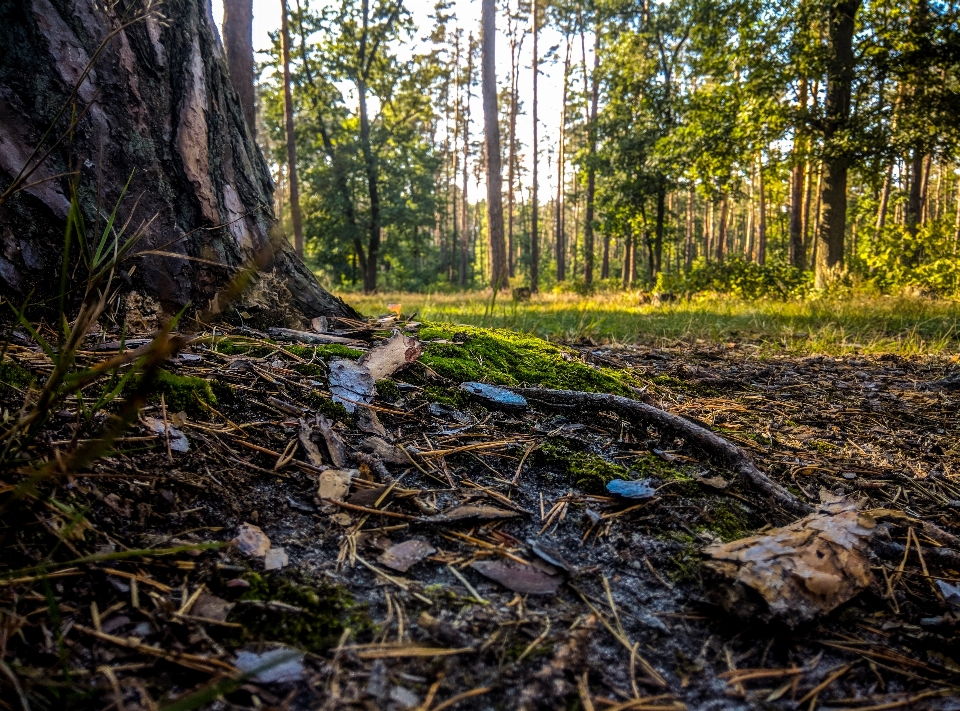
(626,619)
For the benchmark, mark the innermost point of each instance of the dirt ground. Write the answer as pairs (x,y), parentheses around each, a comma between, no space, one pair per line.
(532,586)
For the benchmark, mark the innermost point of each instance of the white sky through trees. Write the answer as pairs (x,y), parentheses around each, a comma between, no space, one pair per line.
(266,19)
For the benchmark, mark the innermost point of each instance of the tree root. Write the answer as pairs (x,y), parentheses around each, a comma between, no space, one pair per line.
(714,446)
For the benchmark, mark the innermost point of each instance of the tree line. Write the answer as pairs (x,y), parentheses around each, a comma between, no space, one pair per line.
(818,136)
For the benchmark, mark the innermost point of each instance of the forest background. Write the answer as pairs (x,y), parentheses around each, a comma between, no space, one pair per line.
(761,148)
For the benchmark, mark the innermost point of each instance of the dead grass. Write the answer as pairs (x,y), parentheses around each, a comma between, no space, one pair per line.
(903,325)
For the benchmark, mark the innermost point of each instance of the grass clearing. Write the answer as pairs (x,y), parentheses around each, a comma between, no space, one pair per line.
(905,325)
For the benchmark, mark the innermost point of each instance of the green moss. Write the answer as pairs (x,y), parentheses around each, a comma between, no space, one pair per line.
(685,564)
(13,374)
(223,392)
(327,611)
(333,350)
(309,370)
(387,390)
(451,397)
(230,346)
(180,392)
(587,471)
(327,407)
(728,519)
(508,358)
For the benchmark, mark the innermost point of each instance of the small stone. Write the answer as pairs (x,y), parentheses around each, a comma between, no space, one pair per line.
(631,489)
(495,396)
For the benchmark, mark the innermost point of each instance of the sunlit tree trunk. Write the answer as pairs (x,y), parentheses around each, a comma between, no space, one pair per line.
(561,161)
(534,227)
(762,216)
(295,215)
(515,45)
(797,252)
(464,222)
(837,159)
(591,151)
(238,45)
(499,273)
(721,239)
(688,245)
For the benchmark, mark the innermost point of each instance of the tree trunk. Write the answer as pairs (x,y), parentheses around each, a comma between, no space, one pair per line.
(499,273)
(158,99)
(915,200)
(534,227)
(688,242)
(721,238)
(291,135)
(837,159)
(884,199)
(373,190)
(658,229)
(797,256)
(238,45)
(512,159)
(591,168)
(465,205)
(762,217)
(561,161)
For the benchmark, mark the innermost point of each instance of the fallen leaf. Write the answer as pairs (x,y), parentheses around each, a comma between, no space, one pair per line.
(354,381)
(403,555)
(178,440)
(252,540)
(384,451)
(278,666)
(494,396)
(309,446)
(551,555)
(335,444)
(475,513)
(714,482)
(275,559)
(335,483)
(211,607)
(631,489)
(800,571)
(524,579)
(368,497)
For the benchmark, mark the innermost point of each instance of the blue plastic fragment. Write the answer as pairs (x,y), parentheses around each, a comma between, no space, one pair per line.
(494,396)
(631,489)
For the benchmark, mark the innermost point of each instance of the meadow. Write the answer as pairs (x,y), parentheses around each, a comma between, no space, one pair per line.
(835,325)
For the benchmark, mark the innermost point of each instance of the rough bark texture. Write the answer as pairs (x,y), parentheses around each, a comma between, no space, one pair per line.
(836,162)
(591,169)
(238,45)
(499,274)
(158,104)
(534,228)
(293,180)
(798,257)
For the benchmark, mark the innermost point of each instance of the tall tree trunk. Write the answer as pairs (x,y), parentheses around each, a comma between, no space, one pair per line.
(658,228)
(721,239)
(157,100)
(515,46)
(837,159)
(373,190)
(884,199)
(295,216)
(561,162)
(798,256)
(762,217)
(534,227)
(591,168)
(238,45)
(688,242)
(465,241)
(915,199)
(499,273)
(452,267)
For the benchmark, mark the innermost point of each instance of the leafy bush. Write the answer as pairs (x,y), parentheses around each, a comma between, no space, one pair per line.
(741,278)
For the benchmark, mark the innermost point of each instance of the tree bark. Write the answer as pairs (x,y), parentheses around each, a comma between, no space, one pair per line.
(837,159)
(534,227)
(762,217)
(515,46)
(156,104)
(295,215)
(658,229)
(465,205)
(238,45)
(688,242)
(591,168)
(721,237)
(561,162)
(797,253)
(499,273)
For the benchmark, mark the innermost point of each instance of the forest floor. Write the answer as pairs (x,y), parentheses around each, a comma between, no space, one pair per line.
(845,324)
(432,552)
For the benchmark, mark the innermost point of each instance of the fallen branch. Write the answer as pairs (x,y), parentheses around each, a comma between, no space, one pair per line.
(714,446)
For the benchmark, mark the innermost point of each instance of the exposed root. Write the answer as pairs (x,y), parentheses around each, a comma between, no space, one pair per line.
(714,446)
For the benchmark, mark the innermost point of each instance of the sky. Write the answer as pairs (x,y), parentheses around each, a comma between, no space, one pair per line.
(266,19)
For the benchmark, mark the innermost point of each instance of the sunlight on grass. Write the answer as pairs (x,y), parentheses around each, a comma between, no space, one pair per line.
(903,325)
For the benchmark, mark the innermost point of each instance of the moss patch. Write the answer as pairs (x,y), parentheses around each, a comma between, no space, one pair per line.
(728,519)
(587,471)
(333,350)
(180,392)
(13,374)
(508,358)
(327,611)
(387,390)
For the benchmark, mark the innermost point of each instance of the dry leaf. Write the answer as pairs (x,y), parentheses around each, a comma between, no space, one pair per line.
(309,447)
(275,559)
(802,570)
(211,607)
(524,579)
(178,440)
(335,444)
(384,451)
(353,381)
(252,540)
(403,555)
(335,483)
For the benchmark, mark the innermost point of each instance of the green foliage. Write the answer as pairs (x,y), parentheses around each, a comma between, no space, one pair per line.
(181,392)
(743,279)
(14,375)
(508,358)
(587,471)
